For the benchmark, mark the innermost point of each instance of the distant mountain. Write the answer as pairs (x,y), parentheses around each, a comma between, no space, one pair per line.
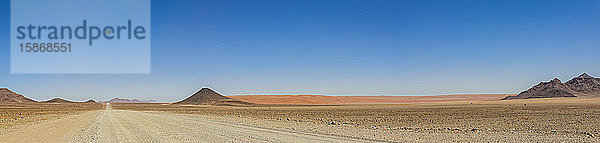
(207,96)
(581,86)
(58,100)
(585,85)
(6,95)
(122,100)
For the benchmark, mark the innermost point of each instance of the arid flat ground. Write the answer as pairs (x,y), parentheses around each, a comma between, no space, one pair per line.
(345,100)
(134,126)
(12,115)
(533,120)
(537,120)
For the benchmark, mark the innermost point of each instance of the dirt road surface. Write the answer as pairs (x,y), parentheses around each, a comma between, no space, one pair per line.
(135,126)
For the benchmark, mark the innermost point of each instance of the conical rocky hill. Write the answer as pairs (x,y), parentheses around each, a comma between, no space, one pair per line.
(581,86)
(207,96)
(6,95)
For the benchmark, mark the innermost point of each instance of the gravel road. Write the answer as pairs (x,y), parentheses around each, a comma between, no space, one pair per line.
(135,126)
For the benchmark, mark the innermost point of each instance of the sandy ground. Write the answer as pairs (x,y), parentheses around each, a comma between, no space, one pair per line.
(135,126)
(14,115)
(59,130)
(536,120)
(341,100)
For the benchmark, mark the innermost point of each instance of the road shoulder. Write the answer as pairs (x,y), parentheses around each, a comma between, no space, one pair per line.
(59,130)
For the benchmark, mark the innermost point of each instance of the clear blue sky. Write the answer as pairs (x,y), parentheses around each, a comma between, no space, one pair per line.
(341,47)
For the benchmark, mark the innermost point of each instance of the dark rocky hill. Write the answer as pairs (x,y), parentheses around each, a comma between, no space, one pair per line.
(581,86)
(6,95)
(58,100)
(584,85)
(207,96)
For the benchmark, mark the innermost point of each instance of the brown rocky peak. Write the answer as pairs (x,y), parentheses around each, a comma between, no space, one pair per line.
(208,91)
(207,96)
(6,90)
(585,75)
(555,80)
(7,95)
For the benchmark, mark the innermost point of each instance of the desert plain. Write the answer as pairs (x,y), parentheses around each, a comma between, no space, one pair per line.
(473,120)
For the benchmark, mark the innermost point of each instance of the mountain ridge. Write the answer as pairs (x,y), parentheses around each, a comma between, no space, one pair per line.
(580,86)
(124,100)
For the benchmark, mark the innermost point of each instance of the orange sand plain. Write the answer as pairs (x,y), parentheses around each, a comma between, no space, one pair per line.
(329,100)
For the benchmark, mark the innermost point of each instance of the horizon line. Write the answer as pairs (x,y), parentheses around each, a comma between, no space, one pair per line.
(374,94)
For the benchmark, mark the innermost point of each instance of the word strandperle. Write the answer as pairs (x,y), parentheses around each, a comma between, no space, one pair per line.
(84,31)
